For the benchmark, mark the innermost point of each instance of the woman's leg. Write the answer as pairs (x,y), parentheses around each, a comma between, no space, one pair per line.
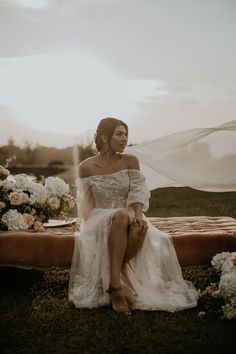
(135,239)
(117,246)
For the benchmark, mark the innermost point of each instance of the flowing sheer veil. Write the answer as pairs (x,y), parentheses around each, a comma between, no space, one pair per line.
(203,159)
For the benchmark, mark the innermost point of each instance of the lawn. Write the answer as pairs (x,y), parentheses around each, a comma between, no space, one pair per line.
(36,316)
(186,201)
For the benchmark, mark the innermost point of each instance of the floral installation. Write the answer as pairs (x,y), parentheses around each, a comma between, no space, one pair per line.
(222,292)
(28,204)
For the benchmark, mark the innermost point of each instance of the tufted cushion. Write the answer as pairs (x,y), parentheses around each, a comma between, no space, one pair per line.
(196,240)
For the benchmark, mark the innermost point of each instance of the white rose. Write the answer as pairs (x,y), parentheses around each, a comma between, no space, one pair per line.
(15,198)
(38,226)
(29,219)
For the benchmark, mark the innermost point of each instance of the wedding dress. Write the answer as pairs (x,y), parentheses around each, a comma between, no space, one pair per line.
(152,280)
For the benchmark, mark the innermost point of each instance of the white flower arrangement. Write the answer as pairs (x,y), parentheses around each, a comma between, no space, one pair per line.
(26,203)
(225,265)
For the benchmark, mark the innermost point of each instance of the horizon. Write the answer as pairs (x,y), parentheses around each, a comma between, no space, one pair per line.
(153,65)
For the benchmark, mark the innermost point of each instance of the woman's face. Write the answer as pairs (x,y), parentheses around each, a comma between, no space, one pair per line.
(119,139)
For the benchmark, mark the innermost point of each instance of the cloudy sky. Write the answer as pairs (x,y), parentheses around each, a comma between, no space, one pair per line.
(160,65)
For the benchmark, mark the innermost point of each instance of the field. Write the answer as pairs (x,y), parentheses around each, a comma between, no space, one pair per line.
(187,202)
(36,316)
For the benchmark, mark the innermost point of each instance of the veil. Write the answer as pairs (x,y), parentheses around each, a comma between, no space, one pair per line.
(202,158)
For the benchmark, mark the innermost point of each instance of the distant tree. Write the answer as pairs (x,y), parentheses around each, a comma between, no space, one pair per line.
(29,153)
(2,156)
(11,141)
(86,151)
(42,155)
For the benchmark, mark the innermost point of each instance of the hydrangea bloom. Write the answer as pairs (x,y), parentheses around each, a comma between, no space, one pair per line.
(218,260)
(22,182)
(56,186)
(39,194)
(14,220)
(227,286)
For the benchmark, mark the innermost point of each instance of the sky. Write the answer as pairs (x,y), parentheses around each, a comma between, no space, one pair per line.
(160,65)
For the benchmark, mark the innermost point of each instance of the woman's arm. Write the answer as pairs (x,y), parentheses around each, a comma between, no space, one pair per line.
(138,210)
(133,164)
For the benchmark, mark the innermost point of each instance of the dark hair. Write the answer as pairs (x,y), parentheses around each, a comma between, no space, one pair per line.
(107,127)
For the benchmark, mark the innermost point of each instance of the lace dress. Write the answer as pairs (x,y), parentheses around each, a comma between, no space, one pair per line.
(153,279)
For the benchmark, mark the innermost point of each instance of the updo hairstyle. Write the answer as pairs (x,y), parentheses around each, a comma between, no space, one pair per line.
(107,127)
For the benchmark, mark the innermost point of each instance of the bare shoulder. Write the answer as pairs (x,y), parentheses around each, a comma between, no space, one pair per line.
(86,167)
(131,162)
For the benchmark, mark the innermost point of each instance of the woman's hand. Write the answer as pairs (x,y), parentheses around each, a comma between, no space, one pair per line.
(140,223)
(137,220)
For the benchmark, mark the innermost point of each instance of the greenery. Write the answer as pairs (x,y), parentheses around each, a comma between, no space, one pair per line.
(36,316)
(186,201)
(38,171)
(30,156)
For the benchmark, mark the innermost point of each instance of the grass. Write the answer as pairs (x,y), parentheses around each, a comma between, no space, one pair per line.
(186,201)
(36,316)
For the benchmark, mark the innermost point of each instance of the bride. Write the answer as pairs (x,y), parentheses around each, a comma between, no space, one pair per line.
(119,256)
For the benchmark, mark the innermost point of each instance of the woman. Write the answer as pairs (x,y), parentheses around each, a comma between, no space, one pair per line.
(119,257)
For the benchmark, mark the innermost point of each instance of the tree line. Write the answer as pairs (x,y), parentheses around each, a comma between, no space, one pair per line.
(37,155)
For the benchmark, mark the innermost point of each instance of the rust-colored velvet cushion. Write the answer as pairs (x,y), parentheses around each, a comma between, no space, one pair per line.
(196,239)
(54,247)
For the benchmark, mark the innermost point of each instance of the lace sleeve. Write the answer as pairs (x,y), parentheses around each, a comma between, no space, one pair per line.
(85,199)
(138,190)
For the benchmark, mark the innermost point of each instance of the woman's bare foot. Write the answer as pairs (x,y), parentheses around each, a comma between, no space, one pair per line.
(118,300)
(135,239)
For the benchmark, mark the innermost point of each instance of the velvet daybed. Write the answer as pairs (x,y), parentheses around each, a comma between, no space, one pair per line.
(196,239)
